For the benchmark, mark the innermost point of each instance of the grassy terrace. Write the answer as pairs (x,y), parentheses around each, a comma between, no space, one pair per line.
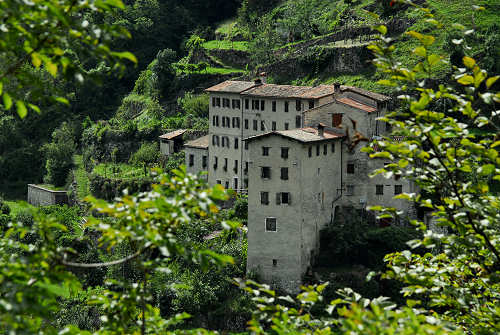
(119,171)
(226,45)
(19,206)
(213,70)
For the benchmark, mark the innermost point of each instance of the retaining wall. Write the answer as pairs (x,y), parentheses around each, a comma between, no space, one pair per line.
(41,196)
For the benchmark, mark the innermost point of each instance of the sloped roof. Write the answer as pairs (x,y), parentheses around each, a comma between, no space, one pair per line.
(201,142)
(173,134)
(357,105)
(290,91)
(231,86)
(369,94)
(304,135)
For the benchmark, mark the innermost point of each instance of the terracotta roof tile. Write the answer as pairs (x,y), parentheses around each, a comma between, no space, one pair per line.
(201,143)
(231,86)
(290,91)
(357,104)
(173,134)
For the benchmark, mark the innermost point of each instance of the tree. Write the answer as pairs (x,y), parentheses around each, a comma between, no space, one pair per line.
(46,29)
(147,155)
(59,155)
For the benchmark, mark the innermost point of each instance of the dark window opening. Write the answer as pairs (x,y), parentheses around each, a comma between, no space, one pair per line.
(398,189)
(225,164)
(264,198)
(273,126)
(284,153)
(204,162)
(379,189)
(336,120)
(246,104)
(262,126)
(333,147)
(262,104)
(350,168)
(286,125)
(191,160)
(274,106)
(255,125)
(325,149)
(270,224)
(246,145)
(275,262)
(216,161)
(284,173)
(265,172)
(286,106)
(235,169)
(298,105)
(246,123)
(317,150)
(265,151)
(310,151)
(311,104)
(298,121)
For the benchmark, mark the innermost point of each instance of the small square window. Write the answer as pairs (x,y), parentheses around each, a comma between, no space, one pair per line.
(285,198)
(286,125)
(265,151)
(311,104)
(270,224)
(350,168)
(218,181)
(264,198)
(379,189)
(265,172)
(275,262)
(398,189)
(284,153)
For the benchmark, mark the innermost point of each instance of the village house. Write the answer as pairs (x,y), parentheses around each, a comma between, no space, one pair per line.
(297,151)
(172,142)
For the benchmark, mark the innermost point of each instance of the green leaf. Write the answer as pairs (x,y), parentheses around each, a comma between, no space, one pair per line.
(36,60)
(35,108)
(1,88)
(421,51)
(381,28)
(433,59)
(7,101)
(62,100)
(486,169)
(115,3)
(466,80)
(469,62)
(490,81)
(127,55)
(21,109)
(386,82)
(51,68)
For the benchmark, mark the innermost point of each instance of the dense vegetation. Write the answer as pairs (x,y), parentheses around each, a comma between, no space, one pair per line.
(140,263)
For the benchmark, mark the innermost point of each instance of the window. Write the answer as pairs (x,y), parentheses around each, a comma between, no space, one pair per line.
(265,172)
(255,104)
(284,152)
(264,198)
(236,104)
(283,198)
(246,168)
(246,104)
(317,149)
(204,162)
(298,121)
(217,120)
(275,262)
(388,127)
(233,104)
(379,189)
(298,105)
(398,189)
(235,183)
(336,120)
(286,106)
(274,106)
(270,224)
(245,183)
(227,185)
(225,102)
(228,123)
(218,181)
(284,173)
(246,145)
(216,161)
(333,147)
(310,152)
(213,101)
(236,122)
(349,190)
(262,104)
(236,143)
(262,126)
(325,149)
(255,125)
(223,121)
(286,125)
(225,164)
(213,120)
(235,169)
(246,123)
(265,151)
(217,102)
(273,126)
(214,141)
(311,104)
(191,160)
(350,168)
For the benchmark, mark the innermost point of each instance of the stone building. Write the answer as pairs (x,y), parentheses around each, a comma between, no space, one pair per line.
(172,142)
(197,155)
(297,150)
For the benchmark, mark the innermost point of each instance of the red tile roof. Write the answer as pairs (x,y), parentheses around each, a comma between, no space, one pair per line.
(231,86)
(290,91)
(370,94)
(357,105)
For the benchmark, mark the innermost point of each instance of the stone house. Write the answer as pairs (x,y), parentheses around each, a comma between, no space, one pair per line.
(196,152)
(172,142)
(297,150)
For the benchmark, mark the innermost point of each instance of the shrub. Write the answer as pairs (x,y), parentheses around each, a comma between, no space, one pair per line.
(195,104)
(59,155)
(4,208)
(147,155)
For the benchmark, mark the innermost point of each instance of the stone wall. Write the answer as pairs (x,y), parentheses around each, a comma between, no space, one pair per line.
(41,196)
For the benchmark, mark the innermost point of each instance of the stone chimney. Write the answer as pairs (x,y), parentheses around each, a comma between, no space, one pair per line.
(321,130)
(336,90)
(263,77)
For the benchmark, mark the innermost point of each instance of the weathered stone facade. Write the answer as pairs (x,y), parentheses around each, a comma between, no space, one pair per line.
(41,196)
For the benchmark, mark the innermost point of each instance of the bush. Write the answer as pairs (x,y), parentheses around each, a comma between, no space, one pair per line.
(4,208)
(135,104)
(194,104)
(147,155)
(59,155)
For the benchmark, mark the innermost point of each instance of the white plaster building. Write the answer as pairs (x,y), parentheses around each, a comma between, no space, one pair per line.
(298,152)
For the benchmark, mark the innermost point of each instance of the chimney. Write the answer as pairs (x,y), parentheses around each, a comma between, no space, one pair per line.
(321,130)
(336,90)
(263,77)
